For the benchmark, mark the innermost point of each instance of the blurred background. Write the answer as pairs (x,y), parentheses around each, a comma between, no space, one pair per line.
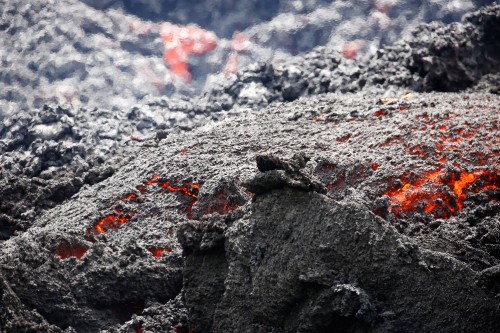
(114,53)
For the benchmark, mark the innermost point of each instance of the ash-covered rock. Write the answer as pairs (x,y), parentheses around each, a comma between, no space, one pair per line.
(46,158)
(16,317)
(117,245)
(299,262)
(171,317)
(138,219)
(47,155)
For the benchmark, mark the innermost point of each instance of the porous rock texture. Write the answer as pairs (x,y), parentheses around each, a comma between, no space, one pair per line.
(287,258)
(351,206)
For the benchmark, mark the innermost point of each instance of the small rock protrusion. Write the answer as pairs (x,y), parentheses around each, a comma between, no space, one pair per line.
(277,173)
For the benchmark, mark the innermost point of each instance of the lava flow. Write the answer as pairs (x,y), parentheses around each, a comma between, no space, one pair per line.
(190,189)
(439,193)
(110,222)
(180,42)
(129,196)
(222,204)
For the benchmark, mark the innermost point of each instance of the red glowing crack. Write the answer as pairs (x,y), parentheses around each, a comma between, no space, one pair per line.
(221,203)
(157,251)
(67,249)
(119,218)
(438,193)
(110,222)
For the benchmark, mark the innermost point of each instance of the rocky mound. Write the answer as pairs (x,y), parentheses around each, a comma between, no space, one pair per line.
(317,240)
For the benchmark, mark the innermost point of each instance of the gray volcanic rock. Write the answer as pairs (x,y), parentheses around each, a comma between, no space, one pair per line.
(434,57)
(116,246)
(301,262)
(277,174)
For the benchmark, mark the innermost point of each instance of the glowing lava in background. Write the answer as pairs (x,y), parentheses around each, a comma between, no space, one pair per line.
(182,41)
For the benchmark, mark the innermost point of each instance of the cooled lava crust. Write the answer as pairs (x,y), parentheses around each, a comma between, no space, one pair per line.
(337,212)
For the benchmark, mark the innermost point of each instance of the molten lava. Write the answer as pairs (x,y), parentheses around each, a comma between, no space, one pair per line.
(110,222)
(351,49)
(231,66)
(185,151)
(157,251)
(182,41)
(189,188)
(129,196)
(439,193)
(345,138)
(142,188)
(66,250)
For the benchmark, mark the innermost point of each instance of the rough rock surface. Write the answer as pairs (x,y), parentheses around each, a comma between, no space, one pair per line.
(324,197)
(104,243)
(301,262)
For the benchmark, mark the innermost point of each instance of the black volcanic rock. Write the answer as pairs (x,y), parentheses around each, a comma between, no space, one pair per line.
(277,174)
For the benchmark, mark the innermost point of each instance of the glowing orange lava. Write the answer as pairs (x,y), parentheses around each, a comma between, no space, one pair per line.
(351,49)
(344,138)
(185,151)
(129,196)
(110,222)
(417,150)
(182,41)
(142,188)
(437,192)
(189,188)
